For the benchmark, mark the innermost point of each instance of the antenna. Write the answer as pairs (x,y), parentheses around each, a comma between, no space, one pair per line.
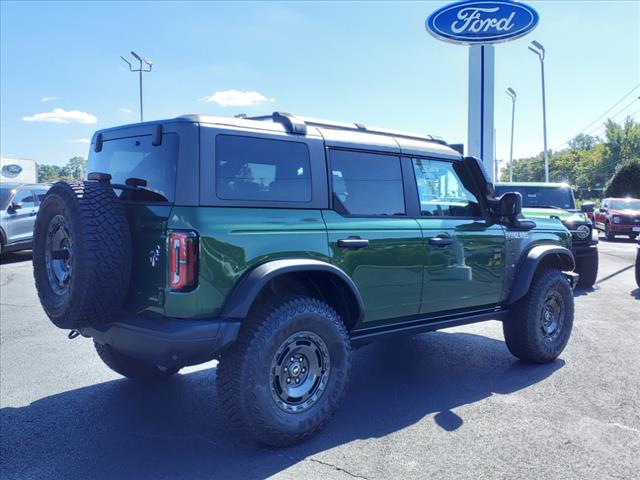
(145,66)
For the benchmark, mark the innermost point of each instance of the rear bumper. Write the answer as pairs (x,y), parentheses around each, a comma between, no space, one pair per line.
(169,342)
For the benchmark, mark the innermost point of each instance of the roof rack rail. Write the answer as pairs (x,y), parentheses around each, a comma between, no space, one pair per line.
(298,125)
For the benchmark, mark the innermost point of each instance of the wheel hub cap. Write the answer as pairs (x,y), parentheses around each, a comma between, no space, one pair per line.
(552,316)
(299,372)
(58,255)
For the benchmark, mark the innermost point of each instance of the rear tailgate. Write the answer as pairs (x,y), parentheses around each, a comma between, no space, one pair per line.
(148,205)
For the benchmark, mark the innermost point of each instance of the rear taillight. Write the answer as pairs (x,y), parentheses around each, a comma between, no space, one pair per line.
(183,260)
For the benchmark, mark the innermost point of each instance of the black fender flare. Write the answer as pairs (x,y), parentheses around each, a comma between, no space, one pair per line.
(529,265)
(248,288)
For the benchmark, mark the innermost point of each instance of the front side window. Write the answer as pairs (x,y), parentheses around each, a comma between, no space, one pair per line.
(261,169)
(25,197)
(366,183)
(441,192)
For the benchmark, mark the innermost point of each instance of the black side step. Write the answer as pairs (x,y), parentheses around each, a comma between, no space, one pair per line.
(424,325)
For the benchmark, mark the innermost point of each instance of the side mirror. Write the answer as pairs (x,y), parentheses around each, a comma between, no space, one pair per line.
(588,207)
(15,206)
(602,210)
(510,210)
(510,205)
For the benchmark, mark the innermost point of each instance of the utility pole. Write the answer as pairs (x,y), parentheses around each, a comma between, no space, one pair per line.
(512,93)
(539,51)
(140,70)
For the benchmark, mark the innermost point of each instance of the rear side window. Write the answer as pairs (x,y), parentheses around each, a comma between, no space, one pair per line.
(260,169)
(136,157)
(366,183)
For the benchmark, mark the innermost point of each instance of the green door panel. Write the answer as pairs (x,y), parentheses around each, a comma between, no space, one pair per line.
(232,240)
(388,272)
(467,273)
(148,224)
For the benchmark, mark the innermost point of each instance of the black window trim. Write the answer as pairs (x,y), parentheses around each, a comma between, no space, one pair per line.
(403,175)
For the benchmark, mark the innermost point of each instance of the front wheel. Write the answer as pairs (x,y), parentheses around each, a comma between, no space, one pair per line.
(587,268)
(608,234)
(539,325)
(288,371)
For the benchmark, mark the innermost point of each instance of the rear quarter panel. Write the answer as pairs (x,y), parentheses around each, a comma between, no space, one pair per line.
(233,240)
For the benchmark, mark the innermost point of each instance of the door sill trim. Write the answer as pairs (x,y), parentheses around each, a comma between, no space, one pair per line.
(428,324)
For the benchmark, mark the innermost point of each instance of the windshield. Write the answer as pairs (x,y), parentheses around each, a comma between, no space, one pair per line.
(541,197)
(136,157)
(5,195)
(624,204)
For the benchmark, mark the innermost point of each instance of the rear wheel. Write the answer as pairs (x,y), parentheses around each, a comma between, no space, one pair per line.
(288,371)
(540,324)
(587,268)
(130,367)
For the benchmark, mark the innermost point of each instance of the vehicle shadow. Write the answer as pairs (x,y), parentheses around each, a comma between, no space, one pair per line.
(636,293)
(15,257)
(123,429)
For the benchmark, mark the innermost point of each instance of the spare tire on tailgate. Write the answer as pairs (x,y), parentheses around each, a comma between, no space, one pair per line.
(81,254)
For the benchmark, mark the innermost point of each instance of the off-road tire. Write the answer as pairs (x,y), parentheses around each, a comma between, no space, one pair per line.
(523,329)
(96,225)
(587,268)
(245,371)
(608,235)
(131,367)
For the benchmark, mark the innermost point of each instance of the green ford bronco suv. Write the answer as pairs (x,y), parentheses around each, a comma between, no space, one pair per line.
(277,244)
(556,200)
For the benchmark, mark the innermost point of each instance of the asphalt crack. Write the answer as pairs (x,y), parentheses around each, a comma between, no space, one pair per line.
(340,469)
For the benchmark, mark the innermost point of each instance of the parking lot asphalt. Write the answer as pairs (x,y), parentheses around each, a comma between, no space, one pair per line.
(446,405)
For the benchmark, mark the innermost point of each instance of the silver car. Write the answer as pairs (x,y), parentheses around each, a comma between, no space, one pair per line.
(18,208)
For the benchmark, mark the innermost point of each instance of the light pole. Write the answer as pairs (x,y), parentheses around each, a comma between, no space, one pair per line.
(140,70)
(512,93)
(539,51)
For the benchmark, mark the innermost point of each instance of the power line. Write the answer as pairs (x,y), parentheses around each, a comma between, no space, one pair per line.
(607,111)
(613,117)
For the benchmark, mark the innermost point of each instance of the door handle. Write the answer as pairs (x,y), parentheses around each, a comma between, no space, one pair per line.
(441,241)
(353,242)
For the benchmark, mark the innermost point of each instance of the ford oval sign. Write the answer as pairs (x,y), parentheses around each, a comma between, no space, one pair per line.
(482,21)
(11,170)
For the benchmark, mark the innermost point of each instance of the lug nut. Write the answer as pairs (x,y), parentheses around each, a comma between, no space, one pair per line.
(288,380)
(297,380)
(304,370)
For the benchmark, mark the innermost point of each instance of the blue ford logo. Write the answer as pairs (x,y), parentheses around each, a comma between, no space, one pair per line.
(11,170)
(482,22)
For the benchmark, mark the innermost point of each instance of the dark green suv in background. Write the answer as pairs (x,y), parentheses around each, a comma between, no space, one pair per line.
(276,244)
(556,200)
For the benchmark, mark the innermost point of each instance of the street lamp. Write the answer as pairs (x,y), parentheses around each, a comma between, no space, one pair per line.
(512,93)
(140,70)
(539,51)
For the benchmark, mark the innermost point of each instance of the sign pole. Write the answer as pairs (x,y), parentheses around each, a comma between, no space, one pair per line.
(480,118)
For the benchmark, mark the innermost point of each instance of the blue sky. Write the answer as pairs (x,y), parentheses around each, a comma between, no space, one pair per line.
(352,61)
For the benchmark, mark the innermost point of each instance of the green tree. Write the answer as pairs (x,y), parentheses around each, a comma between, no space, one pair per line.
(48,173)
(75,169)
(626,181)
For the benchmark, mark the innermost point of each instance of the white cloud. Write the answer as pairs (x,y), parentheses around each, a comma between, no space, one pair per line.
(48,99)
(79,140)
(59,115)
(128,111)
(236,98)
